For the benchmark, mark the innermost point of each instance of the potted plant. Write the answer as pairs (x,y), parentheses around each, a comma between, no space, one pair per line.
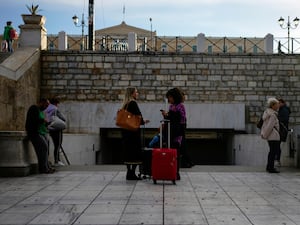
(33,17)
(33,9)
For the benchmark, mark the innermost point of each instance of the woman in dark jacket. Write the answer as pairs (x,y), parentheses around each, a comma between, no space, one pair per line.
(36,131)
(131,140)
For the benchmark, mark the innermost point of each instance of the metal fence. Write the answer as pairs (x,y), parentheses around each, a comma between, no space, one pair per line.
(181,44)
(287,46)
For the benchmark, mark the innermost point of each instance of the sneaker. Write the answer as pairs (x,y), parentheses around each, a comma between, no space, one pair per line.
(59,163)
(273,171)
(277,164)
(49,171)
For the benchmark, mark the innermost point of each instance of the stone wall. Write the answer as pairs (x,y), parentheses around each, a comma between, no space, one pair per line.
(19,87)
(7,93)
(234,78)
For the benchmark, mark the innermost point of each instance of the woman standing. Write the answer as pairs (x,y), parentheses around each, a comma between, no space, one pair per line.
(56,134)
(131,140)
(270,132)
(177,117)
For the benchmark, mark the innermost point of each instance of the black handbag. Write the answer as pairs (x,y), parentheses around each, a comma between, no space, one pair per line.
(283,132)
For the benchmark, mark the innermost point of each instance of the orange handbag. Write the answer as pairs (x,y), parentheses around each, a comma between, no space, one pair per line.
(127,120)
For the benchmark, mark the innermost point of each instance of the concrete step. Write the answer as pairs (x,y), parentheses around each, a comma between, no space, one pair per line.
(4,55)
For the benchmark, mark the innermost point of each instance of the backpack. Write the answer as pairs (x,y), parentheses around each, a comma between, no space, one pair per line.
(260,123)
(13,34)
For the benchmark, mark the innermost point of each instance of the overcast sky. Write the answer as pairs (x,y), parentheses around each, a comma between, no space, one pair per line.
(217,18)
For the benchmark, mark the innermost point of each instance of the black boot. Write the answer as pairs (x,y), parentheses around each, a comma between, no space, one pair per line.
(131,173)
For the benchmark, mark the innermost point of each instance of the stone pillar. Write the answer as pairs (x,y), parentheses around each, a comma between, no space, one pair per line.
(145,46)
(62,41)
(33,34)
(132,42)
(201,43)
(17,155)
(269,40)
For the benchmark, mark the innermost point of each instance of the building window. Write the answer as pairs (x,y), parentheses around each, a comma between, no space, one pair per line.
(255,49)
(209,49)
(51,46)
(194,48)
(179,48)
(164,48)
(240,49)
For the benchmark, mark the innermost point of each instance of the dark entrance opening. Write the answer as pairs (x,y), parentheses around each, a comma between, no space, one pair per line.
(204,147)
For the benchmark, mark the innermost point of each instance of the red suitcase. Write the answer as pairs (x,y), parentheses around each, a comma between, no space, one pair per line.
(164,160)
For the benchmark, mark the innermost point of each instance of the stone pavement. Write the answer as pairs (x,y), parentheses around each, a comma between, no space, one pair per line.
(205,195)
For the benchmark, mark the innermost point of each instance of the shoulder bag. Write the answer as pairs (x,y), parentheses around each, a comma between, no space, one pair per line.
(127,120)
(56,123)
(283,132)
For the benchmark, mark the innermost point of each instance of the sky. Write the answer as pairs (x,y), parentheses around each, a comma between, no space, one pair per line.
(214,18)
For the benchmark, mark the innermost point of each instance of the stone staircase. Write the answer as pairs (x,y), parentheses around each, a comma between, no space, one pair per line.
(4,55)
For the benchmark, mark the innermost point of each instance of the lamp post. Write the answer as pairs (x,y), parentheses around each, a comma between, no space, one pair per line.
(150,33)
(82,25)
(288,26)
(91,25)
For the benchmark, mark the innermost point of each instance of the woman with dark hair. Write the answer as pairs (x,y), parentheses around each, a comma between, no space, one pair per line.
(36,128)
(177,117)
(186,161)
(131,140)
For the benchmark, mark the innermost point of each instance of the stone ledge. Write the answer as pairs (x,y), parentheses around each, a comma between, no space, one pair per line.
(19,62)
(17,156)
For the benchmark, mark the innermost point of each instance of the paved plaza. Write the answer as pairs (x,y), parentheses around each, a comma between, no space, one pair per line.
(100,195)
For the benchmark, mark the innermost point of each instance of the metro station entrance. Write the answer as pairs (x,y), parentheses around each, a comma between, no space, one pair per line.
(204,147)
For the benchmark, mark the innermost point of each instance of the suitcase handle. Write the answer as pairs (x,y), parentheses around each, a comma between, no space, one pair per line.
(164,121)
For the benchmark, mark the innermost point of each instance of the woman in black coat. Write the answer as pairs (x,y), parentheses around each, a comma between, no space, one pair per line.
(131,140)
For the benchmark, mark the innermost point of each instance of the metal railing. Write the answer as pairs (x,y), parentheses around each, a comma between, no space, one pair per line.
(111,43)
(52,42)
(281,45)
(234,45)
(182,44)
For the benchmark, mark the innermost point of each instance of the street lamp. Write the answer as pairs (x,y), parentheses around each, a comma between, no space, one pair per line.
(82,25)
(151,33)
(288,26)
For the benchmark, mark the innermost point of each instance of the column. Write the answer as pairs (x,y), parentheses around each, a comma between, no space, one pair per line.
(132,43)
(62,41)
(268,44)
(201,43)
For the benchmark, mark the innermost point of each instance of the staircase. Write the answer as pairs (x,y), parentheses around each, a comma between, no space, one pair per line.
(4,55)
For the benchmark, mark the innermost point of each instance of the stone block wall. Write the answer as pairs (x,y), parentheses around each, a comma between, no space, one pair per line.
(224,78)
(17,94)
(7,93)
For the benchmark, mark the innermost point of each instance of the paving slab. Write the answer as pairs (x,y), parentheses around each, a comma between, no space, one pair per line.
(208,195)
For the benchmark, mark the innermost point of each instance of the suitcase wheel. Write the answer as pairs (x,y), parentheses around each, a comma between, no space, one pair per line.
(174,182)
(154,181)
